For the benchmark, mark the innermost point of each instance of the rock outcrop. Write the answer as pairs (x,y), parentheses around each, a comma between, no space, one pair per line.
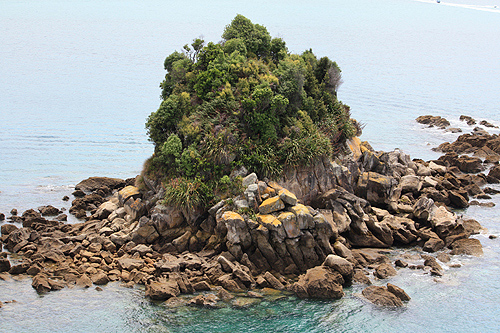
(307,232)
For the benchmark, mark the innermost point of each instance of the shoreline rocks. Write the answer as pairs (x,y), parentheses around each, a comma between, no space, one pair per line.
(335,230)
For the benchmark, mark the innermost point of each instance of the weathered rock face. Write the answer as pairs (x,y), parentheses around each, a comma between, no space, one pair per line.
(319,282)
(162,290)
(383,296)
(93,183)
(375,187)
(470,246)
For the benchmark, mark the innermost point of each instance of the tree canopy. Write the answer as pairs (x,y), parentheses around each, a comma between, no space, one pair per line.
(245,100)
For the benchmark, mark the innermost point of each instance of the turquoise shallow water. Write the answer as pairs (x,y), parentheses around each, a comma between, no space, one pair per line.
(78,79)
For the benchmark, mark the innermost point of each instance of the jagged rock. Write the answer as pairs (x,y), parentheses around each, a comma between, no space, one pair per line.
(135,208)
(495,172)
(472,227)
(433,244)
(237,230)
(381,296)
(182,242)
(105,209)
(273,225)
(290,224)
(422,208)
(94,183)
(340,217)
(144,232)
(470,164)
(162,289)
(245,302)
(227,282)
(443,221)
(287,197)
(130,264)
(458,200)
(19,268)
(468,246)
(375,187)
(4,265)
(487,124)
(400,263)
(142,249)
(469,120)
(128,192)
(437,168)
(8,228)
(84,281)
(244,277)
(99,279)
(431,262)
(224,295)
(399,292)
(41,283)
(201,286)
(383,271)
(49,210)
(303,216)
(165,218)
(381,230)
(248,180)
(120,238)
(433,121)
(270,205)
(410,183)
(341,265)
(208,300)
(319,282)
(361,277)
(273,281)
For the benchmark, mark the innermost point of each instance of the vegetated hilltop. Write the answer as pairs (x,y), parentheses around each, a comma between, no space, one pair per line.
(245,101)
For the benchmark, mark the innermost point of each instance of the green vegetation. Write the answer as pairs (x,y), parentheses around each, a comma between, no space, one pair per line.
(245,101)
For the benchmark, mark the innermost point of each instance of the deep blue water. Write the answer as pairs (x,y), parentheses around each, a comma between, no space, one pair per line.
(78,79)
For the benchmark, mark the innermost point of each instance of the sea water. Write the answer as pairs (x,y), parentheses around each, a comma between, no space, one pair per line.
(78,79)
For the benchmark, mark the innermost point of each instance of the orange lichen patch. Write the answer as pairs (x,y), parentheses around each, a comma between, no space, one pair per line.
(269,220)
(271,205)
(355,147)
(275,185)
(231,216)
(299,209)
(269,190)
(287,197)
(128,192)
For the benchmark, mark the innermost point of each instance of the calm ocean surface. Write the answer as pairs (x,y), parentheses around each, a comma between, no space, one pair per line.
(78,79)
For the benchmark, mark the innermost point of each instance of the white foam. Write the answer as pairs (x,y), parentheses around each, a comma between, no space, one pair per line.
(488,8)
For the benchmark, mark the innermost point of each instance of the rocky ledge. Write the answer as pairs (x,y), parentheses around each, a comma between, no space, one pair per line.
(340,226)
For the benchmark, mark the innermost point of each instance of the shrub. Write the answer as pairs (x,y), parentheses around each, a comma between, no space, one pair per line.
(187,194)
(243,101)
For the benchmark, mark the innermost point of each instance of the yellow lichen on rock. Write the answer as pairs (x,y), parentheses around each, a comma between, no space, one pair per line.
(229,215)
(355,147)
(268,220)
(304,216)
(270,205)
(128,192)
(274,185)
(287,197)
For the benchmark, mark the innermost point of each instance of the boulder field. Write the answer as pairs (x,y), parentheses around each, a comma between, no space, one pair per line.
(313,232)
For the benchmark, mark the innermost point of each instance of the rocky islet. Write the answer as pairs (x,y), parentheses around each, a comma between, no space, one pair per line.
(313,232)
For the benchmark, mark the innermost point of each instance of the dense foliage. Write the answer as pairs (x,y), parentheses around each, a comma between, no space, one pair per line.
(244,101)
